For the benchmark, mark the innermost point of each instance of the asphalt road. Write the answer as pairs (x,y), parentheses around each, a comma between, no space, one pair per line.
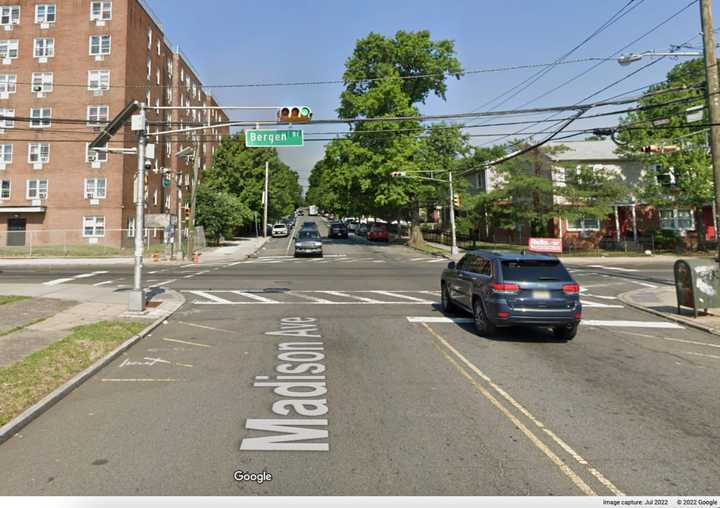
(415,401)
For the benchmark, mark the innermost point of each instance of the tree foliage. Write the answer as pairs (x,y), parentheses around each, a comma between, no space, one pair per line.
(220,212)
(354,177)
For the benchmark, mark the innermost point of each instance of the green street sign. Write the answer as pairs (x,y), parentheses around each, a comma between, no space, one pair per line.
(274,137)
(166,182)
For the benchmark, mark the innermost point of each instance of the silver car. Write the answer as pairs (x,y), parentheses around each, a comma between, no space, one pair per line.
(308,243)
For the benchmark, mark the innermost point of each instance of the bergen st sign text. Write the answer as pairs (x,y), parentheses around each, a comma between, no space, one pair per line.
(274,137)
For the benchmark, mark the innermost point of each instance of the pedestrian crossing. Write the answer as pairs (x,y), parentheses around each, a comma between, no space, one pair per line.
(332,297)
(333,258)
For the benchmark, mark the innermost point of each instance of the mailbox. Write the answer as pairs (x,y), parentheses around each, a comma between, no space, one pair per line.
(697,284)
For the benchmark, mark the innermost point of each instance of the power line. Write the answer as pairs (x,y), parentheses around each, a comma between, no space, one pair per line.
(538,75)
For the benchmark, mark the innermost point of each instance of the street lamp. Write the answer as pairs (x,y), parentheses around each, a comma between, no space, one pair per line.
(636,57)
(404,174)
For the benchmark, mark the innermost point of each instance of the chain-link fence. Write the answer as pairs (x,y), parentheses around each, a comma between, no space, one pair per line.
(80,243)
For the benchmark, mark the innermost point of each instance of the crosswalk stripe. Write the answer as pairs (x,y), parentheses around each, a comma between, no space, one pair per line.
(397,295)
(437,260)
(346,295)
(57,281)
(596,305)
(210,297)
(255,297)
(419,259)
(315,299)
(104,283)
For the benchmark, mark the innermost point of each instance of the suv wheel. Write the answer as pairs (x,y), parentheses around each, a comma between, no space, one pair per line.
(483,326)
(565,332)
(445,302)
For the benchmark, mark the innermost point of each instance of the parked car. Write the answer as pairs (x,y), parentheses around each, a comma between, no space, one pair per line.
(308,243)
(362,230)
(280,230)
(503,288)
(352,226)
(338,230)
(378,233)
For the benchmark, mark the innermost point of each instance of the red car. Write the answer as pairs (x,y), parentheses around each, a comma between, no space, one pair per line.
(378,232)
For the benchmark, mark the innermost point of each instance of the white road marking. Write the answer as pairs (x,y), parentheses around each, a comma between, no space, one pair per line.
(631,324)
(255,297)
(440,260)
(645,284)
(91,274)
(419,259)
(164,283)
(589,304)
(437,319)
(57,281)
(208,296)
(187,342)
(206,327)
(704,355)
(671,339)
(312,298)
(616,268)
(397,295)
(602,297)
(346,295)
(104,283)
(378,260)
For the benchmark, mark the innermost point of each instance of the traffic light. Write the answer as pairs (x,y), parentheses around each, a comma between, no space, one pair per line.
(659,148)
(398,174)
(294,114)
(456,200)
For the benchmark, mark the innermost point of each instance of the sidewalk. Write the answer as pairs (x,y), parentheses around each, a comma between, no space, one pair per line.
(52,312)
(662,302)
(232,250)
(580,260)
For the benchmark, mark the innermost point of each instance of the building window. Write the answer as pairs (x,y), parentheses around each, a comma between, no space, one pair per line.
(40,118)
(44,48)
(10,15)
(94,226)
(158,48)
(95,156)
(4,189)
(5,118)
(8,83)
(157,77)
(6,150)
(584,223)
(42,82)
(37,189)
(38,153)
(100,11)
(665,177)
(677,219)
(150,39)
(99,80)
(149,69)
(45,13)
(95,188)
(9,49)
(97,115)
(99,45)
(131,227)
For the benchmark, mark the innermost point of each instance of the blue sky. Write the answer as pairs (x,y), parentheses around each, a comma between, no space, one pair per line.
(241,41)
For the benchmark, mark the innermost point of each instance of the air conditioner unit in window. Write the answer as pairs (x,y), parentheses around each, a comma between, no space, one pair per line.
(36,202)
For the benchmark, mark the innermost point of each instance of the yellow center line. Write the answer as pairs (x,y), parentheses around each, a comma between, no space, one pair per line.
(540,444)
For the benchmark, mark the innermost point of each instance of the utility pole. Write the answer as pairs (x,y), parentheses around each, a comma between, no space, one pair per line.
(453,248)
(137,296)
(193,200)
(265,199)
(713,99)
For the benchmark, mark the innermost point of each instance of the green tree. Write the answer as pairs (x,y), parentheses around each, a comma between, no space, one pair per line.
(684,178)
(240,171)
(354,177)
(220,212)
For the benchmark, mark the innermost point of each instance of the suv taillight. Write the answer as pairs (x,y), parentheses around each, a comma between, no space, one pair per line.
(504,288)
(571,289)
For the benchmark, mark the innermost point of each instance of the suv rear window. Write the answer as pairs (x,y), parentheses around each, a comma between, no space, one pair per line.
(534,270)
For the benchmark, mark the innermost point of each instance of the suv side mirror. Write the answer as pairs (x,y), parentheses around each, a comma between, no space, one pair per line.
(451,265)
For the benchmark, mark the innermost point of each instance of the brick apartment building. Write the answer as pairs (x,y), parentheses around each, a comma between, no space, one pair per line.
(66,68)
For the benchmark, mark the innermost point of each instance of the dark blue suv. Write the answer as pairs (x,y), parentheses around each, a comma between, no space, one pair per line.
(505,288)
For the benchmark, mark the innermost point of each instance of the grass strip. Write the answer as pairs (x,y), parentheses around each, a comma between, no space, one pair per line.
(27,381)
(4,299)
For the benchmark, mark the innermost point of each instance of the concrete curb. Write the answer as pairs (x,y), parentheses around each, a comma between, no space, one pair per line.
(625,298)
(13,426)
(434,254)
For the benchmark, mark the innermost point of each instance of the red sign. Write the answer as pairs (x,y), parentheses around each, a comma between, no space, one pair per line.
(545,245)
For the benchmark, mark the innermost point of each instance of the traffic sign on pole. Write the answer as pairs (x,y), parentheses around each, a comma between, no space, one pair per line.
(274,137)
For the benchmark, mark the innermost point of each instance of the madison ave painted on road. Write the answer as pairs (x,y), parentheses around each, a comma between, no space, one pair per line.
(411,401)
